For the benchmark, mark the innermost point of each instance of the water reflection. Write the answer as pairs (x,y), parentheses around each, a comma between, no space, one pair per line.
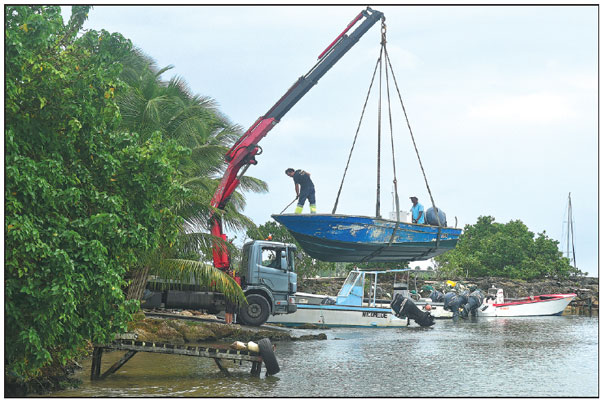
(506,357)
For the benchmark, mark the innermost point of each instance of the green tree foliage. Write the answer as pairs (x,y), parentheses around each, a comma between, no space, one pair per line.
(84,200)
(508,250)
(152,104)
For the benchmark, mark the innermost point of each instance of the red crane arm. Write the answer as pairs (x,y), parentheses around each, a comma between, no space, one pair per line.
(240,155)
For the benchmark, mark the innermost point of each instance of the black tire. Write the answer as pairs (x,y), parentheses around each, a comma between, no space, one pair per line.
(266,352)
(256,312)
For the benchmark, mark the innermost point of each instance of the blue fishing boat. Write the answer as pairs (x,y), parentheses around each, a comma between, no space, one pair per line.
(349,238)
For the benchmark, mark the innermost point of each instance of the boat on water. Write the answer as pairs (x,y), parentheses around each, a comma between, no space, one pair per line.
(359,303)
(541,305)
(350,238)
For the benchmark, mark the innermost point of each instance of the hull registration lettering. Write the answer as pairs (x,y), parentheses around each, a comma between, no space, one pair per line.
(374,314)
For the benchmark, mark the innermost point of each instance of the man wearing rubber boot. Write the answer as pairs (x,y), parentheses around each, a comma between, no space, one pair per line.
(305,189)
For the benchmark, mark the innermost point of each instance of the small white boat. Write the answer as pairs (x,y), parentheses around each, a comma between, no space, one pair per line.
(352,307)
(546,304)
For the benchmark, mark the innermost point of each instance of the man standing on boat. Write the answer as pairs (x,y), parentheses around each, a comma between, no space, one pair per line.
(418,216)
(305,189)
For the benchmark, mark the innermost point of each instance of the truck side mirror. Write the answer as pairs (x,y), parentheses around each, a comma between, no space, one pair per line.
(284,264)
(283,254)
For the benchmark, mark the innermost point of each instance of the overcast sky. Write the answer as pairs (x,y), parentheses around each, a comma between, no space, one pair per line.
(502,100)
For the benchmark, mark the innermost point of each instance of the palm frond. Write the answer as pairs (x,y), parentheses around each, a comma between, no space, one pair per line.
(163,70)
(201,274)
(152,111)
(254,185)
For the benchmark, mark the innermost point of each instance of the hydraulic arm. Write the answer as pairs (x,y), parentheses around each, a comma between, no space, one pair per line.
(242,153)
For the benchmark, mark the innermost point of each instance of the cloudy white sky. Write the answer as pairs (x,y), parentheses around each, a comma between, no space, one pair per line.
(503,102)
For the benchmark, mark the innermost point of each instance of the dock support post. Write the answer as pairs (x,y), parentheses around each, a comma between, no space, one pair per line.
(96,363)
(118,364)
(221,367)
(256,366)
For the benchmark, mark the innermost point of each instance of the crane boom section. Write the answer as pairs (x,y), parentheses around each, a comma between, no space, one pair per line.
(328,58)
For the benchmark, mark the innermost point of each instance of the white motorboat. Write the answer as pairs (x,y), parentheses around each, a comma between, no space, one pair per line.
(352,307)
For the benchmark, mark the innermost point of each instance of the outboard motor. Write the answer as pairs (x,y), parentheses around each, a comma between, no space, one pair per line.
(453,302)
(447,299)
(430,218)
(436,297)
(474,300)
(405,308)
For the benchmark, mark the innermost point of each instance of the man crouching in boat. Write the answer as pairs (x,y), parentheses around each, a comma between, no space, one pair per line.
(305,189)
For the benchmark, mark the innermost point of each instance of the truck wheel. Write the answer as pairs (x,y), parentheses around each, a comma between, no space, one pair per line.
(268,356)
(256,312)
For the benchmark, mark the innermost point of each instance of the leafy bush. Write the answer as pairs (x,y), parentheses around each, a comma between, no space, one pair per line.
(83,200)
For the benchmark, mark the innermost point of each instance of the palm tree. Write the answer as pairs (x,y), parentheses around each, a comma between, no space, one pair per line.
(150,104)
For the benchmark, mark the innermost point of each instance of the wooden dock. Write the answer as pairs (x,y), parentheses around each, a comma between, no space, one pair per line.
(133,346)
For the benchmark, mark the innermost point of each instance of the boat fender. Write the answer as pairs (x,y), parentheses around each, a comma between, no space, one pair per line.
(253,347)
(267,352)
(239,346)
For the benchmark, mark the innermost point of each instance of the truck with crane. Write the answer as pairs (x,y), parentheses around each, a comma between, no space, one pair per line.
(266,274)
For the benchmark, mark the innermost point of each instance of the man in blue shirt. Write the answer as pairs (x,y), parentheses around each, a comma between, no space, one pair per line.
(304,189)
(418,216)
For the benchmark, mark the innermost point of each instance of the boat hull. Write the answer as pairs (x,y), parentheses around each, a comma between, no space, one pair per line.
(543,305)
(340,316)
(345,238)
(436,309)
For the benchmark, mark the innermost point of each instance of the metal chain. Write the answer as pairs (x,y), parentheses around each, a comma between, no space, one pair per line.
(397,201)
(378,191)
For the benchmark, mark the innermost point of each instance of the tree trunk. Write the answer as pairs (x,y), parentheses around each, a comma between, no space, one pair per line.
(139,277)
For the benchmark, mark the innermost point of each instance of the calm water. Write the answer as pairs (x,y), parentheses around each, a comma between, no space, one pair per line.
(506,357)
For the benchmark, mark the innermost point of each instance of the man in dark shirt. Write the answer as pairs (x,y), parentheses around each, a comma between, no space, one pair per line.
(305,189)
